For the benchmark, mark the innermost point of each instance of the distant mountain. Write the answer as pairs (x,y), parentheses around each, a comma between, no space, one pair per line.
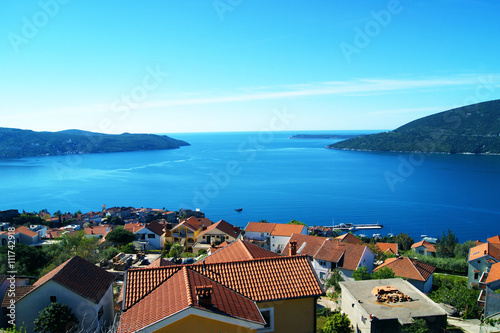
(470,129)
(324,136)
(17,143)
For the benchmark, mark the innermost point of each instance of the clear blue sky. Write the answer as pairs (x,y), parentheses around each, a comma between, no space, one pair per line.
(230,65)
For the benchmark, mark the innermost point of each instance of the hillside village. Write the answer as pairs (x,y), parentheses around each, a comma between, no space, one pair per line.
(183,272)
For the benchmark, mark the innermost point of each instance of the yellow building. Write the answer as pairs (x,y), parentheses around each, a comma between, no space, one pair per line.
(187,230)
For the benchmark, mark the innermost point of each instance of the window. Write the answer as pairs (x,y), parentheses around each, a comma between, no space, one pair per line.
(4,241)
(476,276)
(268,315)
(151,236)
(479,261)
(53,299)
(322,275)
(100,313)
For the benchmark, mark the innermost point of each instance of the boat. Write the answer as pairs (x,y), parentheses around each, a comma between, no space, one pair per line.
(238,209)
(351,226)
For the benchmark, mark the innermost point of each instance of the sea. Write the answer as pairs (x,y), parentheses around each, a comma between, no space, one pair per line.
(274,178)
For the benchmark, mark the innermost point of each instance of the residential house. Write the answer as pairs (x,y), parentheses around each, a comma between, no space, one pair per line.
(425,248)
(272,236)
(150,236)
(416,272)
(481,258)
(84,287)
(388,306)
(329,254)
(217,233)
(237,251)
(349,238)
(388,248)
(40,229)
(187,230)
(489,299)
(9,283)
(97,231)
(21,235)
(260,295)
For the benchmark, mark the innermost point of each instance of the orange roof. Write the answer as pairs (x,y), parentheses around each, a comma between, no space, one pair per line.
(428,246)
(97,230)
(275,229)
(20,291)
(223,226)
(133,227)
(177,293)
(239,250)
(408,268)
(155,227)
(346,255)
(261,280)
(80,276)
(349,238)
(388,247)
(160,262)
(485,249)
(194,223)
(26,231)
(494,240)
(494,274)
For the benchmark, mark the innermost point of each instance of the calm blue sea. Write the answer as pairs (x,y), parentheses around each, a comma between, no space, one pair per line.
(271,177)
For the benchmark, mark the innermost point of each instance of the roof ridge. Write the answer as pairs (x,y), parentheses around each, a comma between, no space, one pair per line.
(245,247)
(187,285)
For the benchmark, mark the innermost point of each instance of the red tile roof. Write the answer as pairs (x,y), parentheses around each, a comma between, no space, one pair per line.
(178,293)
(494,240)
(20,292)
(160,262)
(388,247)
(428,246)
(239,250)
(494,274)
(194,223)
(349,238)
(346,255)
(223,226)
(408,268)
(80,276)
(275,229)
(155,227)
(97,230)
(26,231)
(262,227)
(133,227)
(485,249)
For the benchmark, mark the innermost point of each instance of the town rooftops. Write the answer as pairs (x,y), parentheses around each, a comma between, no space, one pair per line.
(239,250)
(223,226)
(97,230)
(349,238)
(78,275)
(346,255)
(485,249)
(420,306)
(26,231)
(155,227)
(494,274)
(160,262)
(185,290)
(275,229)
(388,247)
(494,240)
(428,246)
(133,227)
(408,268)
(194,223)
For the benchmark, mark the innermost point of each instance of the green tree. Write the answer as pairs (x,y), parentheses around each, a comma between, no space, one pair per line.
(404,242)
(418,326)
(120,236)
(383,273)
(337,323)
(115,220)
(454,291)
(28,219)
(55,318)
(176,250)
(334,280)
(296,222)
(29,260)
(77,244)
(445,246)
(462,250)
(361,273)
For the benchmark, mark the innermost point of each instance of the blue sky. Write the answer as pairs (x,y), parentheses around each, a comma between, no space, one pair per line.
(232,65)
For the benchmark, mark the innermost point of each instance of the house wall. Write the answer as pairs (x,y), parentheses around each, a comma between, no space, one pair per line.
(194,323)
(215,235)
(278,243)
(322,271)
(476,265)
(294,315)
(25,239)
(367,260)
(359,318)
(28,308)
(260,236)
(156,242)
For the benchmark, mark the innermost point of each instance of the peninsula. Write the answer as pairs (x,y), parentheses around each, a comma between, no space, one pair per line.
(323,136)
(473,129)
(18,143)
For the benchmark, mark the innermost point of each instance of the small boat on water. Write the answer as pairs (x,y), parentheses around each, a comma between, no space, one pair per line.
(352,227)
(238,209)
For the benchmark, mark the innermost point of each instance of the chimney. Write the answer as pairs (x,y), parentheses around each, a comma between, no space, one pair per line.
(293,248)
(204,295)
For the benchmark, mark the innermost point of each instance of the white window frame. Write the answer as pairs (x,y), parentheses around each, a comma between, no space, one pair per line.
(271,324)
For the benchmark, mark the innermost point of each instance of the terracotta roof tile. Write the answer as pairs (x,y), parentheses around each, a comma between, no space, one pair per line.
(494,274)
(388,247)
(428,246)
(20,292)
(177,293)
(349,238)
(494,240)
(26,231)
(155,227)
(223,226)
(287,229)
(97,230)
(80,276)
(160,262)
(485,249)
(305,244)
(239,250)
(260,227)
(133,227)
(408,268)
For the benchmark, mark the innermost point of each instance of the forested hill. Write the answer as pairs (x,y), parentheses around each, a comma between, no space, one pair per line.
(470,129)
(17,143)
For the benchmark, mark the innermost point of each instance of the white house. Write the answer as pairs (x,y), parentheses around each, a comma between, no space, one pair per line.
(272,236)
(152,236)
(84,287)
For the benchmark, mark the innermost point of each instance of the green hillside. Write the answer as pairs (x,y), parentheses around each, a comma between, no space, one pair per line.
(17,143)
(469,129)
